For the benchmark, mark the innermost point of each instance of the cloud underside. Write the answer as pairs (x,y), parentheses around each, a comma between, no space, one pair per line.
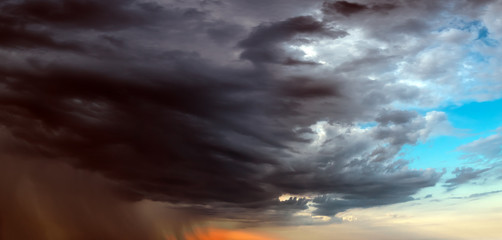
(182,105)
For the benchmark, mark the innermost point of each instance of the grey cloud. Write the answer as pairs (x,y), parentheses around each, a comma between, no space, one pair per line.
(477,195)
(294,203)
(15,34)
(413,26)
(261,11)
(389,20)
(294,62)
(407,129)
(489,147)
(261,46)
(99,15)
(329,206)
(308,88)
(164,114)
(353,164)
(463,175)
(343,7)
(223,32)
(347,9)
(396,117)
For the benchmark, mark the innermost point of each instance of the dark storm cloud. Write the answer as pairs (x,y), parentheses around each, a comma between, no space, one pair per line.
(389,20)
(84,110)
(50,24)
(223,32)
(164,115)
(92,14)
(349,8)
(294,62)
(14,34)
(308,88)
(261,46)
(343,7)
(463,175)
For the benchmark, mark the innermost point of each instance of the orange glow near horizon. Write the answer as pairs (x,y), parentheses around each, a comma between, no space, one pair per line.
(222,234)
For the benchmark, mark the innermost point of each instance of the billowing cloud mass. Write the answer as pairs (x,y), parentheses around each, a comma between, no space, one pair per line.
(222,107)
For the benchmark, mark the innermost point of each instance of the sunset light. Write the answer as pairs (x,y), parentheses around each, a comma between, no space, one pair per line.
(221,234)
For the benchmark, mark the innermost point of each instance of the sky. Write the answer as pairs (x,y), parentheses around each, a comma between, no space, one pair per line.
(250,120)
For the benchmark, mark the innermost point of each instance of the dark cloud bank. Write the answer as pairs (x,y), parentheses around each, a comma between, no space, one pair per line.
(172,103)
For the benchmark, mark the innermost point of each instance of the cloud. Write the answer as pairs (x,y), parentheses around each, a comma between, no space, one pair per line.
(425,57)
(91,14)
(396,117)
(478,195)
(347,9)
(329,206)
(15,35)
(261,46)
(224,32)
(308,88)
(160,99)
(488,147)
(463,175)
